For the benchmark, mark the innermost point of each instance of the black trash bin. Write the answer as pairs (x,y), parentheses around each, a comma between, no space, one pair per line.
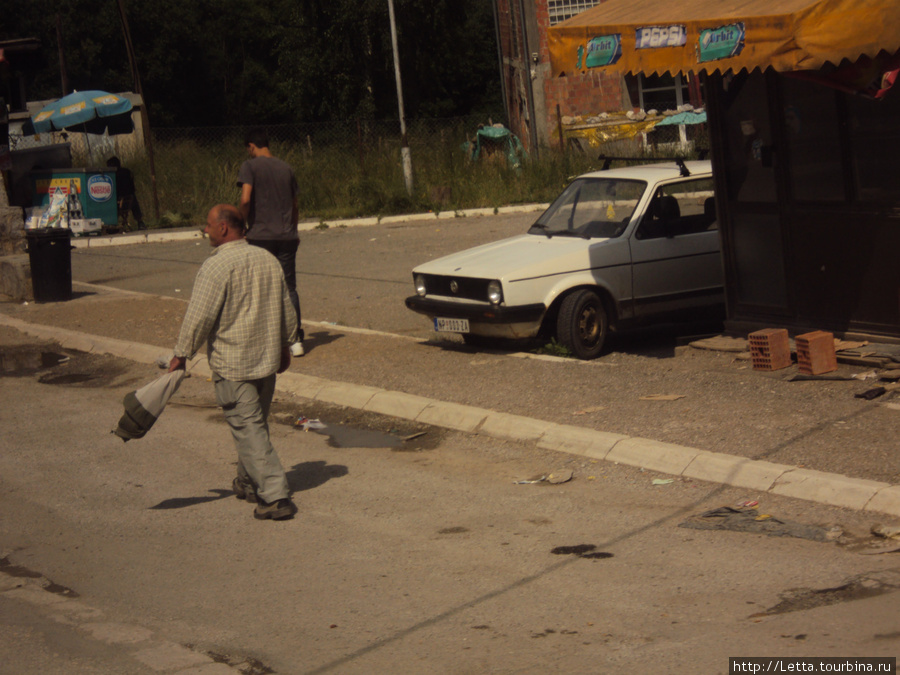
(50,256)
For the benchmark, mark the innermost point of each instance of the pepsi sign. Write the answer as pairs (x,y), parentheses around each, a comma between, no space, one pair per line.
(654,37)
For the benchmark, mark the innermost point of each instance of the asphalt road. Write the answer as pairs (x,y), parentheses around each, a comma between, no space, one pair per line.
(439,558)
(354,279)
(137,558)
(351,276)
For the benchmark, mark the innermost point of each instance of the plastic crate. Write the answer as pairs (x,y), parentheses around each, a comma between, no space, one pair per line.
(770,349)
(815,353)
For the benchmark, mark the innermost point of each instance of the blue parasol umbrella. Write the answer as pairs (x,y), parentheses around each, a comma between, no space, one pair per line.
(91,112)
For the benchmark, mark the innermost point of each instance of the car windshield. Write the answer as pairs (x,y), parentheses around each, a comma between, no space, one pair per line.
(591,207)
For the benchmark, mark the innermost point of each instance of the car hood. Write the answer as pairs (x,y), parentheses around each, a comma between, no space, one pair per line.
(522,256)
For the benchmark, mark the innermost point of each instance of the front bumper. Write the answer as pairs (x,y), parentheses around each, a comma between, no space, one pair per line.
(477,313)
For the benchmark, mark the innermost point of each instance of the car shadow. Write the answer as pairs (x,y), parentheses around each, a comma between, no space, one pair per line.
(660,341)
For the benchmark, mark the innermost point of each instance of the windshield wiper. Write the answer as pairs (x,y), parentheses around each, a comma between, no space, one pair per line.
(543,227)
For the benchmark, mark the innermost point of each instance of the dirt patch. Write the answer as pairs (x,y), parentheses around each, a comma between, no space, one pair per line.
(151,320)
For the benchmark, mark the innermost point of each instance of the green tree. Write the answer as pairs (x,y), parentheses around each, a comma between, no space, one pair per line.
(238,62)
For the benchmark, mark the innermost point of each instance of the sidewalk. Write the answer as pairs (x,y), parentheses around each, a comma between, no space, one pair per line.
(809,440)
(186,233)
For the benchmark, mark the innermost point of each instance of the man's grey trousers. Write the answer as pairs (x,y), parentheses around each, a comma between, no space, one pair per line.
(246,406)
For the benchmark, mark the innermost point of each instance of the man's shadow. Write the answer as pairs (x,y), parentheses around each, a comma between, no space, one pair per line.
(310,475)
(301,477)
(319,339)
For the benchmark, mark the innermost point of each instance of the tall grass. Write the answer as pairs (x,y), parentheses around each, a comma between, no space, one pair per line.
(351,178)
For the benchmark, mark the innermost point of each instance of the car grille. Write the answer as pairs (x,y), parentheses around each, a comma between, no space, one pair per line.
(466,288)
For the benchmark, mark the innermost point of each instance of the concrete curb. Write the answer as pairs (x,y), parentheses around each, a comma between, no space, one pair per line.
(138,642)
(780,479)
(737,471)
(160,236)
(827,488)
(154,237)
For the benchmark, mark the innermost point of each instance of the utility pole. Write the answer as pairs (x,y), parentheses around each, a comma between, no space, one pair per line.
(138,89)
(404,141)
(529,84)
(63,76)
(498,38)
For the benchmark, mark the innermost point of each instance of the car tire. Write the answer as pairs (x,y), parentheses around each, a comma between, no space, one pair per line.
(582,324)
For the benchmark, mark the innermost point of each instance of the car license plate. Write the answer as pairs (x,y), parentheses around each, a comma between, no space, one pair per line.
(443,325)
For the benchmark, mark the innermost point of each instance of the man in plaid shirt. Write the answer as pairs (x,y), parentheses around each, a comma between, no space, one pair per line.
(240,308)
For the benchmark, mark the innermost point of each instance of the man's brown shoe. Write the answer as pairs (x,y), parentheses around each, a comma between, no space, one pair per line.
(281,509)
(243,489)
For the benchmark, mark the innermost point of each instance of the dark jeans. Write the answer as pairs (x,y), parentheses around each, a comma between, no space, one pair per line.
(286,252)
(130,203)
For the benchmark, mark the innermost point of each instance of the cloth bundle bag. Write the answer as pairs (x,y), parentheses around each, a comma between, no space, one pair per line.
(144,406)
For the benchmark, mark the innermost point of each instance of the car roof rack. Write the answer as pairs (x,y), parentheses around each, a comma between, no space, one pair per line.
(679,161)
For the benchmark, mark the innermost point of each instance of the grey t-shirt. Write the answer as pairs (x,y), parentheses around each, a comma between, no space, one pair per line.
(272,199)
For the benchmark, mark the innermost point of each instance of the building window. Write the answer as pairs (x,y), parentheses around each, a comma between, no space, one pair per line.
(662,92)
(560,10)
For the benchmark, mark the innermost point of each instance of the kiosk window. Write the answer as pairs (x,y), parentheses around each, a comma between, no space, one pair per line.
(812,134)
(875,146)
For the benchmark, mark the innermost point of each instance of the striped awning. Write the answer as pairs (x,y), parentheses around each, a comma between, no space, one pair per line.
(666,36)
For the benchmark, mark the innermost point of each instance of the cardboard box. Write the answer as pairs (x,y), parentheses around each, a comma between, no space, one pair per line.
(84,226)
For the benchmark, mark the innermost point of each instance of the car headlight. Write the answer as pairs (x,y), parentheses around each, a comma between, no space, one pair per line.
(419,281)
(495,292)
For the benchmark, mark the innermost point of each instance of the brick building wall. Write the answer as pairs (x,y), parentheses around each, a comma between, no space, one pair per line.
(589,93)
(514,67)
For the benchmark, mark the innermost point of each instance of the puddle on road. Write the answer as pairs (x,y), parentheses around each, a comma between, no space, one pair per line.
(6,567)
(26,361)
(858,588)
(22,361)
(453,530)
(588,551)
(67,378)
(245,664)
(65,368)
(347,428)
(340,436)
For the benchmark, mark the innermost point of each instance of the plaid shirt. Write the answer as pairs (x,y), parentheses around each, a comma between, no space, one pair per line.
(241,309)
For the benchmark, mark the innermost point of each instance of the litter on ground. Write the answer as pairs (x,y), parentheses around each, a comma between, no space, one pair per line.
(750,520)
(306,424)
(558,476)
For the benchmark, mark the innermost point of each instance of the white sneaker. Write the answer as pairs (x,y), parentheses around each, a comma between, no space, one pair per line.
(297,349)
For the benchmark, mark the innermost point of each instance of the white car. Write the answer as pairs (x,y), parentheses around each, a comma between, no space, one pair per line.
(617,247)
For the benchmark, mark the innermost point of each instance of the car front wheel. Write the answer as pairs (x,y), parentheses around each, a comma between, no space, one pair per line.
(582,324)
